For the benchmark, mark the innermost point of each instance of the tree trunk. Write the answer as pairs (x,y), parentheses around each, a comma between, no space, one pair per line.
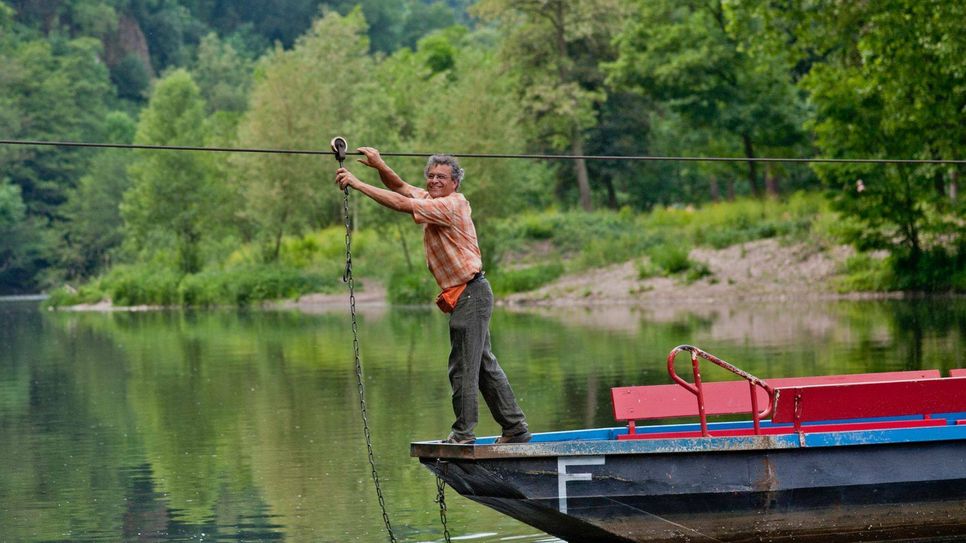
(771,181)
(752,166)
(277,247)
(405,247)
(611,191)
(715,189)
(583,178)
(953,184)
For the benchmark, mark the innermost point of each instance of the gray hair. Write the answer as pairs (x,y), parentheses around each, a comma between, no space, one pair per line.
(446,160)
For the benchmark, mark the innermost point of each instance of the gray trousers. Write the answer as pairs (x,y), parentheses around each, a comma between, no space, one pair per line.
(473,367)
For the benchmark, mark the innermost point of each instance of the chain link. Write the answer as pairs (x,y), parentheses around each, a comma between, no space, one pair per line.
(441,500)
(347,278)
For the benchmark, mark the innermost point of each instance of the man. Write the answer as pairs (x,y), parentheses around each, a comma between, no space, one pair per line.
(453,257)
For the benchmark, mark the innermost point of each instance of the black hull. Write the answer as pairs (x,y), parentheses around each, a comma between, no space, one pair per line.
(886,492)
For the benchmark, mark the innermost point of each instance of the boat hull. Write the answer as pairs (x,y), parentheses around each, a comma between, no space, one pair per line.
(737,491)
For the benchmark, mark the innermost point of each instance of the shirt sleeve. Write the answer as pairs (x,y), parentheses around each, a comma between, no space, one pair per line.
(446,211)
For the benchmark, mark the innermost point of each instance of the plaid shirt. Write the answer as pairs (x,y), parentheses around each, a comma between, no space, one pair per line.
(449,236)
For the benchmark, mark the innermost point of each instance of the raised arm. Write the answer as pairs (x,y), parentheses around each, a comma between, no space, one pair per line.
(387,198)
(387,175)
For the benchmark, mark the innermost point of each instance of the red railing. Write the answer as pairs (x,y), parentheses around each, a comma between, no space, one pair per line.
(698,390)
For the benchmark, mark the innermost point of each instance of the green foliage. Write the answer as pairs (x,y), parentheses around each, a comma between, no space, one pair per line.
(671,257)
(469,108)
(888,88)
(174,193)
(131,78)
(935,271)
(864,273)
(92,227)
(50,90)
(666,235)
(224,76)
(66,296)
(156,286)
(141,285)
(697,61)
(244,286)
(20,244)
(508,281)
(650,77)
(554,48)
(299,101)
(413,288)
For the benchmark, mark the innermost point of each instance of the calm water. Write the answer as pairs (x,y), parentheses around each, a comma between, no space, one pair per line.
(245,426)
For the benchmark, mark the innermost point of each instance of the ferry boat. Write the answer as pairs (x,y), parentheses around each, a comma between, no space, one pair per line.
(838,458)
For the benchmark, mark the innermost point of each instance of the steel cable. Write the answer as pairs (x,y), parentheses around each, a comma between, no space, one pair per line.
(637,158)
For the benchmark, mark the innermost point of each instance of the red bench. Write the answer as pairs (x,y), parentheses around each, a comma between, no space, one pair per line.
(723,397)
(869,400)
(957,372)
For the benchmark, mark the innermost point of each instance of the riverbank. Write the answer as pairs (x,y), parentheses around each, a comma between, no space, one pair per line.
(740,251)
(767,270)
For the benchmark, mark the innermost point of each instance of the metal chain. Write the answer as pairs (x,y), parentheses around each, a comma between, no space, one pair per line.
(441,500)
(347,278)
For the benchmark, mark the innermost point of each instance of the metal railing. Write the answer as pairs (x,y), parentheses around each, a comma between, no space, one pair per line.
(698,390)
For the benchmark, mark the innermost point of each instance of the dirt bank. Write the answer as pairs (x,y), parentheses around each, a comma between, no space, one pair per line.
(763,270)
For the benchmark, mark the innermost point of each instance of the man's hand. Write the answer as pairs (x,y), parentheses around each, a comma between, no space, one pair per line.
(344,178)
(373,160)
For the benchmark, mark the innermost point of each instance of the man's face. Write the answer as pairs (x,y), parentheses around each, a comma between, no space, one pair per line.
(440,182)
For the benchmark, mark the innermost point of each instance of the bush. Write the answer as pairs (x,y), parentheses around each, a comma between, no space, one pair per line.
(864,273)
(412,288)
(273,283)
(67,296)
(934,270)
(132,285)
(937,270)
(205,289)
(524,279)
(647,269)
(672,258)
(538,226)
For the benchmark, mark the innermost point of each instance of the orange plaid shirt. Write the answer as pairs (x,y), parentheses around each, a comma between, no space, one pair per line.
(449,237)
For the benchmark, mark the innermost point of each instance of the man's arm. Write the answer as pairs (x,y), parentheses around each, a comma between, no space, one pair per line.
(387,175)
(392,200)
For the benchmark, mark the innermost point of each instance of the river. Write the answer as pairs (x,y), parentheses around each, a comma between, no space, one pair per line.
(228,425)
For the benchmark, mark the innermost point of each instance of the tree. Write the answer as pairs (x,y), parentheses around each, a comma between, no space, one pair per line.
(50,90)
(693,59)
(553,46)
(300,100)
(174,198)
(22,247)
(888,80)
(223,75)
(92,226)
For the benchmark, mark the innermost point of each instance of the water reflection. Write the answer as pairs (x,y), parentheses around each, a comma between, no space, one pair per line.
(244,426)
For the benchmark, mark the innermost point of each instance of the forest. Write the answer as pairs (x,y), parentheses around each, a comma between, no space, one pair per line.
(661,78)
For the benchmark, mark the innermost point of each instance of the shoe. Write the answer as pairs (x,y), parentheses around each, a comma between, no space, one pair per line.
(519,438)
(453,440)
